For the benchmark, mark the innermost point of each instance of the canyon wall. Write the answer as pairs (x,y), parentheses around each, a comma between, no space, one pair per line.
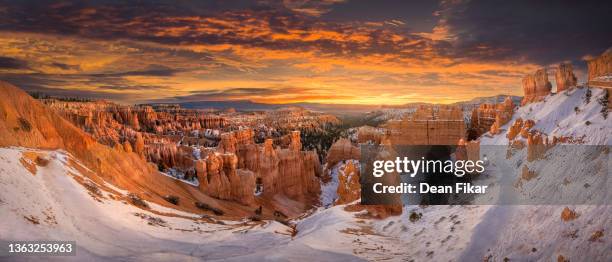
(600,73)
(428,127)
(600,69)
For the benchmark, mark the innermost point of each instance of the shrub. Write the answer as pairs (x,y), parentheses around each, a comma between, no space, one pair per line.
(92,188)
(588,123)
(577,110)
(172,199)
(603,101)
(587,96)
(137,201)
(414,216)
(24,124)
(206,207)
(41,161)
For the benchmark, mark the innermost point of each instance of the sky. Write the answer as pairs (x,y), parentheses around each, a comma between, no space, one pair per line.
(331,51)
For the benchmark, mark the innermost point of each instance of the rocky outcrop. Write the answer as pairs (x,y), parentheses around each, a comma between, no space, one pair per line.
(468,150)
(368,134)
(565,77)
(342,150)
(349,188)
(600,69)
(490,117)
(536,86)
(230,141)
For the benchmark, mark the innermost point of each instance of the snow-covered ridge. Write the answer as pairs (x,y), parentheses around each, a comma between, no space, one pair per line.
(565,114)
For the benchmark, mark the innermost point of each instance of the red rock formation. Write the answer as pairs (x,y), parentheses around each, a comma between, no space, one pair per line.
(342,150)
(468,150)
(565,77)
(536,86)
(368,134)
(600,73)
(600,68)
(231,172)
(349,188)
(444,127)
(139,145)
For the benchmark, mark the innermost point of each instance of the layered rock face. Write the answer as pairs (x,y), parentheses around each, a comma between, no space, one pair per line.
(565,77)
(600,69)
(232,170)
(490,117)
(444,127)
(536,86)
(600,73)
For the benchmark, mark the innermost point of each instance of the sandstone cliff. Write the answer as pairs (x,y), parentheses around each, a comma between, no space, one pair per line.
(428,127)
(536,86)
(600,67)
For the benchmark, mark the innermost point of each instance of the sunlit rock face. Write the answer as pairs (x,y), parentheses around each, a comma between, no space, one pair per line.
(536,86)
(565,77)
(368,134)
(232,170)
(600,68)
(428,127)
(342,150)
(490,117)
(600,73)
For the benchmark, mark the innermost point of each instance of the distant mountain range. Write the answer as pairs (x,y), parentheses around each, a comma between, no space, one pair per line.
(246,105)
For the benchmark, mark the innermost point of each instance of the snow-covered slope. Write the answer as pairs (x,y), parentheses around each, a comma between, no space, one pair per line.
(51,204)
(564,114)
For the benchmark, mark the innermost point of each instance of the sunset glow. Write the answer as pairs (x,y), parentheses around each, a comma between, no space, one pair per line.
(267,52)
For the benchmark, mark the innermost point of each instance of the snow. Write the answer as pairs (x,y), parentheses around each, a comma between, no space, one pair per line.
(329,190)
(556,116)
(180,176)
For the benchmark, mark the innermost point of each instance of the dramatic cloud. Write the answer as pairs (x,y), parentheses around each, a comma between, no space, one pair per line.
(330,51)
(537,31)
(12,63)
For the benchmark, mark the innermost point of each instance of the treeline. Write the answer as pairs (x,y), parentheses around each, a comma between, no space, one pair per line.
(40,95)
